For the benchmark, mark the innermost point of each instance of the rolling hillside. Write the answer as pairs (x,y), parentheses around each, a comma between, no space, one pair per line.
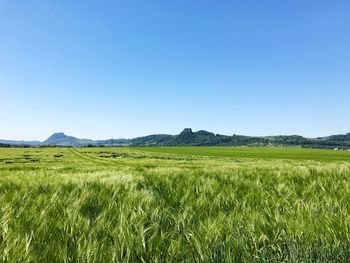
(199,138)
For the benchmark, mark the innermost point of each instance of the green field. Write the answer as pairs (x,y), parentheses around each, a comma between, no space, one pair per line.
(253,152)
(174,204)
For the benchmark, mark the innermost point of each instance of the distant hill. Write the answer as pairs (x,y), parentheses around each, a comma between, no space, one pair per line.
(189,138)
(156,139)
(60,139)
(22,143)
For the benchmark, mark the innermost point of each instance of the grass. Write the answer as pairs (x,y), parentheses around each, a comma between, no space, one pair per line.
(197,204)
(254,152)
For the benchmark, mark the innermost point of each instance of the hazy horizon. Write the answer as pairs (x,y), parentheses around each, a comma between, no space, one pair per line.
(127,69)
(176,133)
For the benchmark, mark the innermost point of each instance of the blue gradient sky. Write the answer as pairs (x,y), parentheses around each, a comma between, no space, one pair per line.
(99,69)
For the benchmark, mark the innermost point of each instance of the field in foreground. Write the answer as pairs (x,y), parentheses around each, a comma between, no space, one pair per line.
(174,204)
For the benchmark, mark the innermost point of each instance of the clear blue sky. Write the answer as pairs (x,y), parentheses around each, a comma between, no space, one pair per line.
(99,69)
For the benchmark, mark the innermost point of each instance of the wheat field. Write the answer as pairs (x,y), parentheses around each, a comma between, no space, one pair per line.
(164,205)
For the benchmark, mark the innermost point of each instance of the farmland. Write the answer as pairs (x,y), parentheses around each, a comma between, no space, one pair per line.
(174,204)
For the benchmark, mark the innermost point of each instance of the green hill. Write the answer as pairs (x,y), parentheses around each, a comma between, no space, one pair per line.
(199,138)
